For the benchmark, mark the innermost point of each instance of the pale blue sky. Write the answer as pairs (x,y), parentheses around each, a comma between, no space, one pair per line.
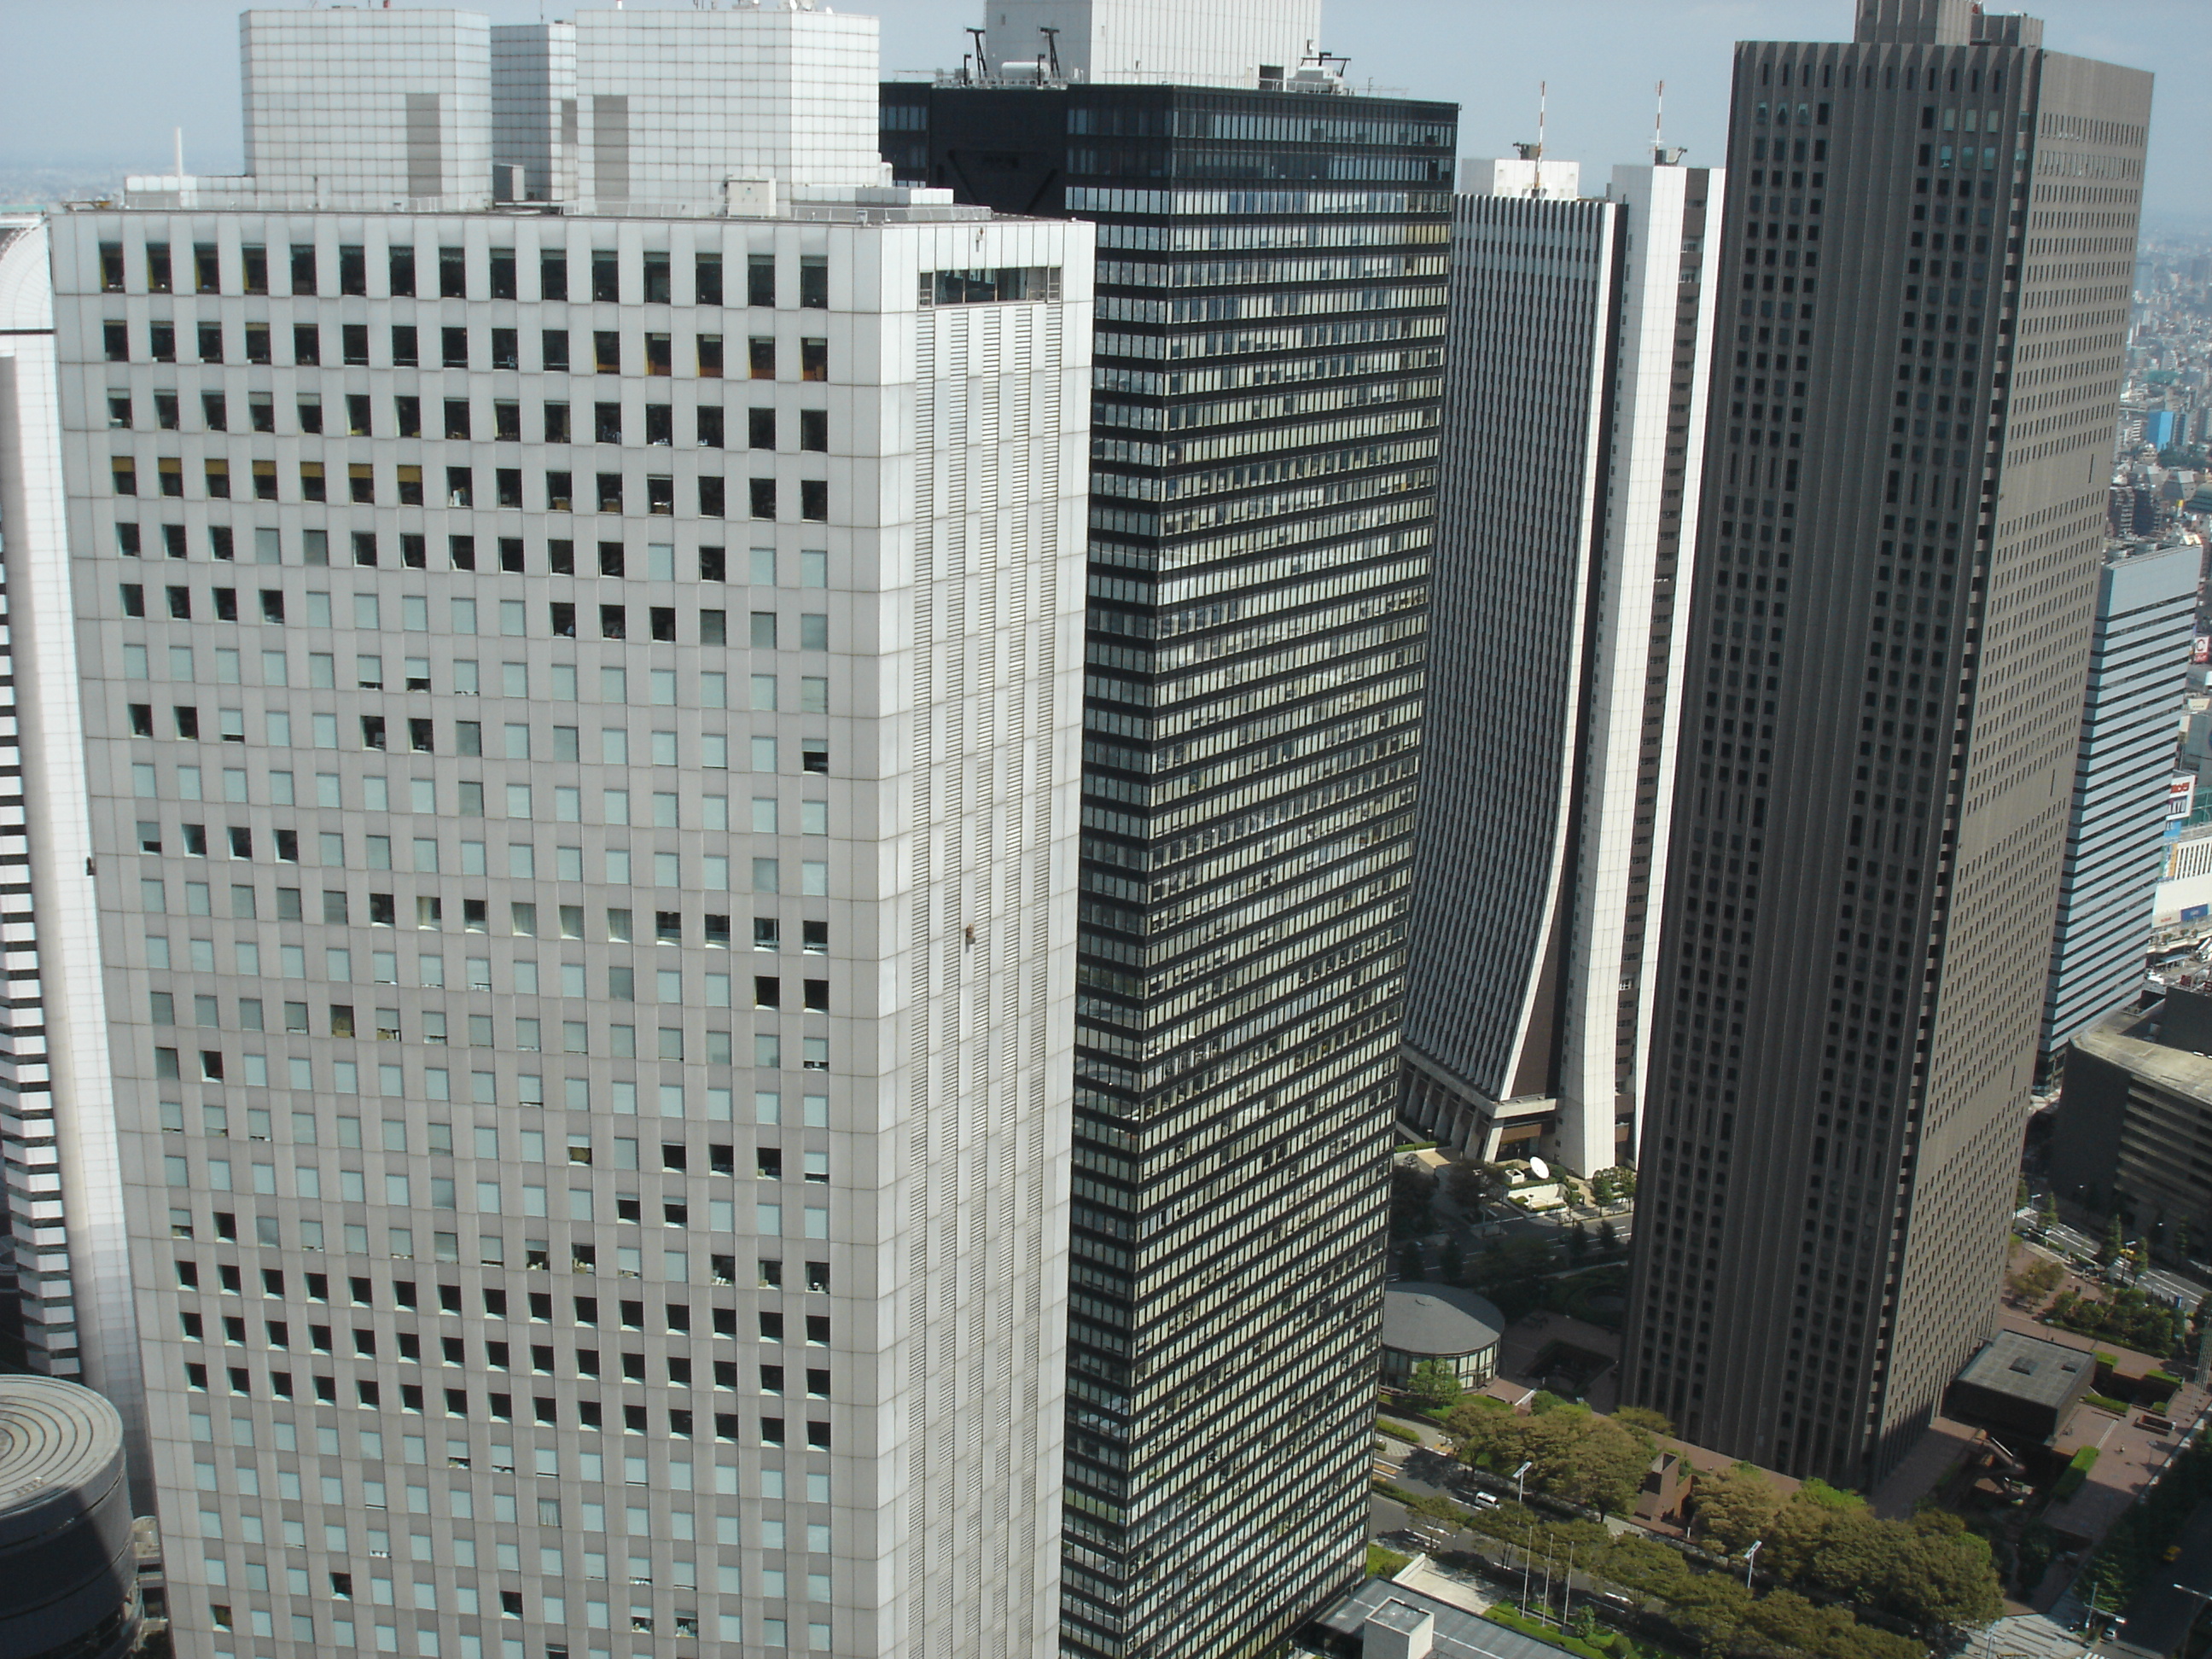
(88,84)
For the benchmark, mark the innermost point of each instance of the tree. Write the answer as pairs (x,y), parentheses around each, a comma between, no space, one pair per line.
(2109,1251)
(1736,1506)
(1434,1384)
(1409,1262)
(2181,1243)
(1608,1238)
(1454,1265)
(1577,1244)
(1412,1190)
(1643,1417)
(2047,1212)
(1468,1185)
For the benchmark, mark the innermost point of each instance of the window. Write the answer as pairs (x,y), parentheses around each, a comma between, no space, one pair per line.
(814,500)
(760,279)
(606,276)
(814,359)
(552,275)
(761,358)
(760,428)
(606,351)
(763,498)
(553,350)
(710,428)
(303,268)
(814,429)
(157,267)
(659,358)
(402,263)
(710,356)
(502,273)
(454,343)
(453,274)
(814,282)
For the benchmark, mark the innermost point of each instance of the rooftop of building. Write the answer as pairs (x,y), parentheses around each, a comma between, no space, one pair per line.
(55,1438)
(2168,1044)
(2027,1368)
(1459,1634)
(1438,1319)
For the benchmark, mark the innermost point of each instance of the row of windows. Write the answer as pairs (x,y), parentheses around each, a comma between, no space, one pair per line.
(378,733)
(211,342)
(611,494)
(768,1053)
(708,428)
(762,564)
(712,626)
(524,919)
(651,281)
(767,995)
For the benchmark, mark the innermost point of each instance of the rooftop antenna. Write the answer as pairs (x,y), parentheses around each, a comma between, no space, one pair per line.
(1658,115)
(179,136)
(1052,47)
(982,63)
(1543,103)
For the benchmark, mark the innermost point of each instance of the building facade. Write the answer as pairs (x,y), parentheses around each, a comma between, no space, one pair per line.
(71,1313)
(2116,845)
(589,919)
(1903,528)
(1268,376)
(1581,332)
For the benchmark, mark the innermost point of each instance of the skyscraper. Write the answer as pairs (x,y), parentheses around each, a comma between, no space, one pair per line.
(1269,370)
(2146,617)
(69,1314)
(1581,330)
(1928,237)
(589,918)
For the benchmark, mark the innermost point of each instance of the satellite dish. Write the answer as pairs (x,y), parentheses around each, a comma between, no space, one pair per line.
(1539,1168)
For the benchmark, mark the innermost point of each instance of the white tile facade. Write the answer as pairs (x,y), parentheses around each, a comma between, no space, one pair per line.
(582,721)
(1185,43)
(494,996)
(367,107)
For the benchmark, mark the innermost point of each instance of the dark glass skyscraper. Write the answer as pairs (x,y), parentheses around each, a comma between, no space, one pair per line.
(1269,362)
(1929,235)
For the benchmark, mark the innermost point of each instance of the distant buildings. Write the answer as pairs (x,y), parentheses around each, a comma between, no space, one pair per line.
(2115,836)
(1573,439)
(1895,604)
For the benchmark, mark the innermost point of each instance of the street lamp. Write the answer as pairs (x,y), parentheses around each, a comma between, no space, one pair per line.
(1749,1556)
(1518,1478)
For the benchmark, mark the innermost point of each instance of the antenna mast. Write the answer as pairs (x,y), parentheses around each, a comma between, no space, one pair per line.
(1543,101)
(1658,114)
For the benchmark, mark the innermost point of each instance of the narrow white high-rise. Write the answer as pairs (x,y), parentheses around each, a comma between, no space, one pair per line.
(1581,328)
(581,704)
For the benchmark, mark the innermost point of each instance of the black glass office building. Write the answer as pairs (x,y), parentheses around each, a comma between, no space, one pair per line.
(1269,369)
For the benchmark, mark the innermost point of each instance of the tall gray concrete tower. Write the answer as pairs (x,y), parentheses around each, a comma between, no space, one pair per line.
(1929,238)
(580,712)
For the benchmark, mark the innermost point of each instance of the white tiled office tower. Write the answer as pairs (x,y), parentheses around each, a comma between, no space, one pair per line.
(1587,323)
(1184,43)
(72,1314)
(583,771)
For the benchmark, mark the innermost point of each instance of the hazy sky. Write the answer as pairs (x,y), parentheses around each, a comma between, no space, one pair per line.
(92,84)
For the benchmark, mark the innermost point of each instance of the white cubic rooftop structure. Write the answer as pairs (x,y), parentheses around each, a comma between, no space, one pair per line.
(1185,43)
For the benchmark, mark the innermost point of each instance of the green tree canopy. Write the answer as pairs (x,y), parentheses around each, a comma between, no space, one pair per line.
(1433,1383)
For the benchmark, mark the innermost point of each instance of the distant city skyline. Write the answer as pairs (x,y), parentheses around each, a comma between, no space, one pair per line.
(170,64)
